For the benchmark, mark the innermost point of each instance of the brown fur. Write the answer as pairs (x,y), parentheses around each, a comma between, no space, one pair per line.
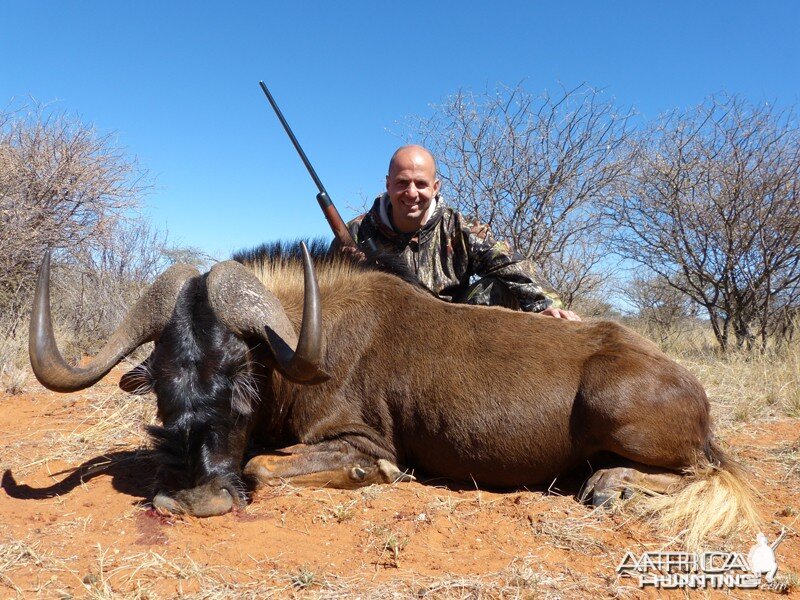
(485,395)
(499,386)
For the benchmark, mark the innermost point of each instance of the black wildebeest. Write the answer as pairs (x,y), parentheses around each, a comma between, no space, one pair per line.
(383,374)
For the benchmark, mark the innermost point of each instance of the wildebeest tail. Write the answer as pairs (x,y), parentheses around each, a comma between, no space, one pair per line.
(717,498)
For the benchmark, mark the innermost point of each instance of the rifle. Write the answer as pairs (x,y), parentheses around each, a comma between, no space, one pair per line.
(340,230)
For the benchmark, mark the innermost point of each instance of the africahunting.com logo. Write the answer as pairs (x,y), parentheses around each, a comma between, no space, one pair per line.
(701,570)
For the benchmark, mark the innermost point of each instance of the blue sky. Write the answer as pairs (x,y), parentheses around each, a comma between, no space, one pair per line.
(178,83)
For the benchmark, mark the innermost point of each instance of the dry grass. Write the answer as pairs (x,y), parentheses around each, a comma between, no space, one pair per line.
(12,379)
(152,575)
(750,387)
(450,505)
(388,542)
(575,534)
(524,577)
(114,420)
(18,555)
(155,574)
(341,512)
(13,363)
(787,455)
(743,386)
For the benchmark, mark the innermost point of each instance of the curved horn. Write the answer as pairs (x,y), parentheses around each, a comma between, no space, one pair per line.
(247,308)
(142,324)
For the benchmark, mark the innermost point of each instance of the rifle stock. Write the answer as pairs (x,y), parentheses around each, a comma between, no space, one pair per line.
(335,221)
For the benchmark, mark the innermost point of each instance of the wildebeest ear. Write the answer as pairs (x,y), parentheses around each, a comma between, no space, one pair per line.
(138,380)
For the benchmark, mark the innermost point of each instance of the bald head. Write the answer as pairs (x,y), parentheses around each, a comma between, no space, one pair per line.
(414,153)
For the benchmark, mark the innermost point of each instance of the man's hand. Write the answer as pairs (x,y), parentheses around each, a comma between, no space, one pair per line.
(560,313)
(354,253)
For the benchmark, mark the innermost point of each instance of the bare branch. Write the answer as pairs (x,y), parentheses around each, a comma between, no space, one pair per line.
(711,206)
(532,168)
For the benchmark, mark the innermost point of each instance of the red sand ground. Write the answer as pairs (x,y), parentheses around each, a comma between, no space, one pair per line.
(82,533)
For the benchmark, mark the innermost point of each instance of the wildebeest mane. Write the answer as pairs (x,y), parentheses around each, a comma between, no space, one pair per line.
(283,251)
(280,256)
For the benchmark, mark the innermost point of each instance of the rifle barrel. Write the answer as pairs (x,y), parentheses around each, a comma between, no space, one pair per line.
(332,215)
(290,133)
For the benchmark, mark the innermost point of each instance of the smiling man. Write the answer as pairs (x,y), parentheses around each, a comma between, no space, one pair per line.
(444,250)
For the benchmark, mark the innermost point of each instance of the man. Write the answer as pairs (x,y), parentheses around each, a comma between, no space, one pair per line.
(443,249)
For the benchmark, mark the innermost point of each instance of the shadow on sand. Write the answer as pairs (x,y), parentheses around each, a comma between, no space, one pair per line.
(131,473)
(568,484)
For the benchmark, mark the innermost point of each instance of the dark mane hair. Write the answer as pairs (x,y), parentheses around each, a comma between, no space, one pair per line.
(284,252)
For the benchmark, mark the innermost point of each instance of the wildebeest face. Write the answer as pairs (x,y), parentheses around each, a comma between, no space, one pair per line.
(199,372)
(199,369)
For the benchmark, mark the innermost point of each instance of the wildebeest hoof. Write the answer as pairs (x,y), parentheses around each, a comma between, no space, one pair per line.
(607,486)
(357,473)
(604,499)
(392,474)
(164,505)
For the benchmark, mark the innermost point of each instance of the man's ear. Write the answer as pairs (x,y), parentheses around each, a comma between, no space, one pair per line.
(436,185)
(139,380)
(387,183)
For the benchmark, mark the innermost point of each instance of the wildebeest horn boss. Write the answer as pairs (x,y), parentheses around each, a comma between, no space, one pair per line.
(383,374)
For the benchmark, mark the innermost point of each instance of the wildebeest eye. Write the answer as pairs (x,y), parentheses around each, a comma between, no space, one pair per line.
(139,380)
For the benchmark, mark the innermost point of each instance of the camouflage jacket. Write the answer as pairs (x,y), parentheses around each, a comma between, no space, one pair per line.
(448,252)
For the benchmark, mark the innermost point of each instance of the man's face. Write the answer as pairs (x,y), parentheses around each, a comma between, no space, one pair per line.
(411,185)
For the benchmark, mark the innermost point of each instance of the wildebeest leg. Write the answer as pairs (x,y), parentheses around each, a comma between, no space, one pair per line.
(327,464)
(606,486)
(652,413)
